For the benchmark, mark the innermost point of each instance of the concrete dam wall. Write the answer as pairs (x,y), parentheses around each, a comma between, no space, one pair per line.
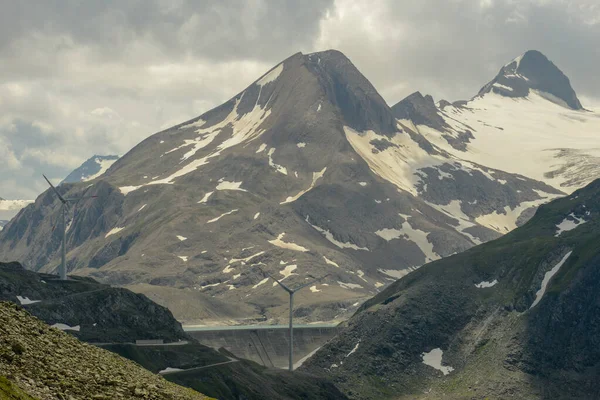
(266,345)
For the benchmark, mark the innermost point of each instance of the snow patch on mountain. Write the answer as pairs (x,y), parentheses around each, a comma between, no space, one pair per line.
(507,221)
(260,283)
(349,286)
(271,76)
(328,261)
(205,198)
(25,300)
(486,284)
(454,210)
(287,272)
(261,148)
(221,216)
(287,245)
(329,236)
(316,176)
(245,260)
(104,166)
(540,293)
(65,327)
(397,163)
(434,360)
(568,224)
(389,234)
(277,167)
(226,185)
(114,231)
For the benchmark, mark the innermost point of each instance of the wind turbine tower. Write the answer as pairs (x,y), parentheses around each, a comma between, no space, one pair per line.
(62,271)
(291,292)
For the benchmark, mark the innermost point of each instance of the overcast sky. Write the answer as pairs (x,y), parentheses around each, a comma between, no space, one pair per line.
(79,78)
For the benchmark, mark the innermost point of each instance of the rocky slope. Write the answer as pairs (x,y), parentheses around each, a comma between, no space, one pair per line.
(90,169)
(10,391)
(305,172)
(91,311)
(49,364)
(517,317)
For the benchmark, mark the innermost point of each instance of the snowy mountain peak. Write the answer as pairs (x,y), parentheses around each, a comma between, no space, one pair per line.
(533,71)
(91,169)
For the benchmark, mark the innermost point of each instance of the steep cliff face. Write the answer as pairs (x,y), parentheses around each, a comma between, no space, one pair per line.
(515,317)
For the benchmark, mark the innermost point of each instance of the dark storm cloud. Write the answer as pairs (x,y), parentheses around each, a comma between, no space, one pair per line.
(96,77)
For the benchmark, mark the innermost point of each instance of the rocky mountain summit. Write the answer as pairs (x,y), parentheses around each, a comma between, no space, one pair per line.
(532,71)
(517,317)
(304,173)
(49,364)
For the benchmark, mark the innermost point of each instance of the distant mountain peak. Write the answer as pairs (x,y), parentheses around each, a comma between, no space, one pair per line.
(291,85)
(421,110)
(91,169)
(533,71)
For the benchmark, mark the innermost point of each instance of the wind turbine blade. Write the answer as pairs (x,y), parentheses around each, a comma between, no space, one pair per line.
(287,289)
(310,283)
(83,194)
(53,188)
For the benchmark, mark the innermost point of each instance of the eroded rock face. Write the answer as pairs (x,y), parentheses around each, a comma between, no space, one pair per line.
(49,364)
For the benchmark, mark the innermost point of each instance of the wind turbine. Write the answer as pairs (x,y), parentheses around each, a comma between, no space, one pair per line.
(291,293)
(62,271)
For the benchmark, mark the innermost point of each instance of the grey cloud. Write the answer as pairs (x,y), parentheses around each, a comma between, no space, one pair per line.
(81,78)
(223,30)
(452,48)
